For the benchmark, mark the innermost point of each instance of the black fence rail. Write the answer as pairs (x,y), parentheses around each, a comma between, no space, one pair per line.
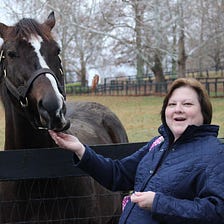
(38,172)
(53,162)
(39,186)
(143,87)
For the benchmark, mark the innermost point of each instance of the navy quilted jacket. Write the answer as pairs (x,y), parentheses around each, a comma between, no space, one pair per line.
(187,176)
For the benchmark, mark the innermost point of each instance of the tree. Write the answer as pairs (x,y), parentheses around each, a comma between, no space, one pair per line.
(148,34)
(81,37)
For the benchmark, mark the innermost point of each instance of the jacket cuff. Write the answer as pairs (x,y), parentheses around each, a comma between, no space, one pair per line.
(155,202)
(77,162)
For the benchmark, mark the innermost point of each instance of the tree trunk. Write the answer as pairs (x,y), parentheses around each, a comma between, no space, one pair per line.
(174,62)
(182,58)
(158,72)
(139,11)
(83,70)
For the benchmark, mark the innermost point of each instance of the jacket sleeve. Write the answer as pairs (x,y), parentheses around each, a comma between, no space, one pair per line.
(207,208)
(116,175)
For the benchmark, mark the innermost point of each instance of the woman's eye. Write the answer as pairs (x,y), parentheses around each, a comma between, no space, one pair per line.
(171,104)
(188,104)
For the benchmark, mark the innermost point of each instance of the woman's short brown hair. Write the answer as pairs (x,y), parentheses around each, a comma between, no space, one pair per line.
(203,97)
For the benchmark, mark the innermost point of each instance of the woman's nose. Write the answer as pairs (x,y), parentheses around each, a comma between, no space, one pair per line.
(179,108)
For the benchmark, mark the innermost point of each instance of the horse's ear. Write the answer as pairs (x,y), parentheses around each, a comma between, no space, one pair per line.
(3,30)
(50,22)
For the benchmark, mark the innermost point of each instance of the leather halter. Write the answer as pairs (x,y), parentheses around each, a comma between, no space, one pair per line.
(21,92)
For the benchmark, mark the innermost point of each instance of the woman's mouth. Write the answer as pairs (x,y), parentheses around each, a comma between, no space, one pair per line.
(179,119)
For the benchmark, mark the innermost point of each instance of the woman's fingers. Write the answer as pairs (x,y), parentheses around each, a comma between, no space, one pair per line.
(143,199)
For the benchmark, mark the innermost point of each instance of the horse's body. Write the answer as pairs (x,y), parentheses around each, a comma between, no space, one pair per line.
(31,85)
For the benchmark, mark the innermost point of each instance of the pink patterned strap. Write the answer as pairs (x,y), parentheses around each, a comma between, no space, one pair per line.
(127,198)
(156,142)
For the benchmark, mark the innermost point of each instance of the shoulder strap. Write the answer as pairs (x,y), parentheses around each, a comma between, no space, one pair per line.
(157,141)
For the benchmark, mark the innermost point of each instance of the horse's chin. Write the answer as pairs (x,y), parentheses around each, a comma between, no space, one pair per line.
(62,128)
(57,127)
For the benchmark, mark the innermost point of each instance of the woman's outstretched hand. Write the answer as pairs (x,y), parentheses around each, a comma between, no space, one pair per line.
(69,142)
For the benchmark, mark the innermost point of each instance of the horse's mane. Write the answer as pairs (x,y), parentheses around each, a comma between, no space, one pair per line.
(27,27)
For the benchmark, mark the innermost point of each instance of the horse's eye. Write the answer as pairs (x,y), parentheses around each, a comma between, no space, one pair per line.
(11,54)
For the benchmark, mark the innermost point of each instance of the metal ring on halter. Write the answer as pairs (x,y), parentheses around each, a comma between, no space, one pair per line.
(24,104)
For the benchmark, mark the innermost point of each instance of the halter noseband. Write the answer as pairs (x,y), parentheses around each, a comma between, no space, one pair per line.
(21,92)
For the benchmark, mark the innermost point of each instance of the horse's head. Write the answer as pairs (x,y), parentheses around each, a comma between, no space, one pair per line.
(31,75)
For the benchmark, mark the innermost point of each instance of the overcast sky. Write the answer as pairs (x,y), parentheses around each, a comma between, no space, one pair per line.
(3,18)
(3,14)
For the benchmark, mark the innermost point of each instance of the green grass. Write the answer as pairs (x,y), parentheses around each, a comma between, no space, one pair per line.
(139,115)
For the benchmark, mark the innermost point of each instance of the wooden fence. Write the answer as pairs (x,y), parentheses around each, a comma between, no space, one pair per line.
(143,87)
(49,164)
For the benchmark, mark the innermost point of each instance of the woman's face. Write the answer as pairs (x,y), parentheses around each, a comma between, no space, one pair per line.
(183,109)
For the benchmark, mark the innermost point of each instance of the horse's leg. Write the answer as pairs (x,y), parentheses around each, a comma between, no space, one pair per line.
(89,202)
(11,209)
(109,204)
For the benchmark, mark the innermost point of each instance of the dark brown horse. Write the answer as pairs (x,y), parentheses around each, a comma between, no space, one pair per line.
(32,91)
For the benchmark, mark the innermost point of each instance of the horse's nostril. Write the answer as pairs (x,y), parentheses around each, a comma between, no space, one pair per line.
(40,104)
(43,113)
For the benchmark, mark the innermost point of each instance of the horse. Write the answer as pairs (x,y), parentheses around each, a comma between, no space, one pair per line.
(32,91)
(95,82)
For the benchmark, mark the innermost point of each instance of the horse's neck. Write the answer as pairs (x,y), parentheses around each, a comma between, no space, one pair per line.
(19,134)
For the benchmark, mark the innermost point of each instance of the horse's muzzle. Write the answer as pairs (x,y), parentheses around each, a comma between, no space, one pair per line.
(53,118)
(57,125)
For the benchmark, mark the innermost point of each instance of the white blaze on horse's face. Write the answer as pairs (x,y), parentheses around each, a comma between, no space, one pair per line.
(35,41)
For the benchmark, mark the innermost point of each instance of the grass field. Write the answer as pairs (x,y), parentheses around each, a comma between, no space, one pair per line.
(139,115)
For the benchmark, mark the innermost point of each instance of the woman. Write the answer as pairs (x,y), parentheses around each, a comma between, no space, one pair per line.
(177,177)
